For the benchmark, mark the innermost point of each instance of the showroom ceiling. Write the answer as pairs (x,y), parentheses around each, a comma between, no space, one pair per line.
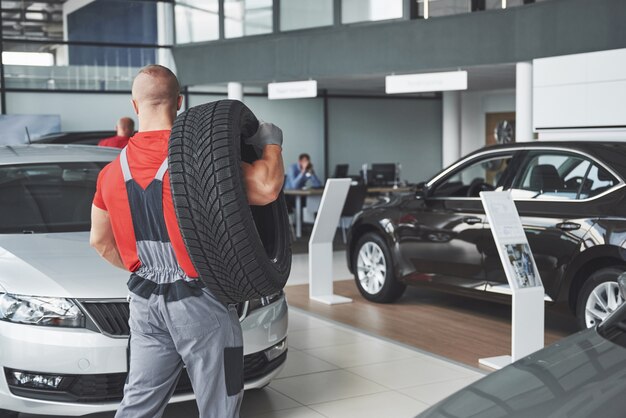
(33,19)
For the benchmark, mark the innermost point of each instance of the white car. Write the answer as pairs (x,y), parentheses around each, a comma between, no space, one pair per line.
(63,310)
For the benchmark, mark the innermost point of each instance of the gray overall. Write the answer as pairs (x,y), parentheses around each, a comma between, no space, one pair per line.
(175,321)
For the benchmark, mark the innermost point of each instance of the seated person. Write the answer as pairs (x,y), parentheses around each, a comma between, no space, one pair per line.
(301,174)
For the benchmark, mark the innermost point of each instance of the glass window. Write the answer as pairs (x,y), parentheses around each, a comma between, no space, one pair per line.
(302,14)
(561,176)
(197,21)
(370,10)
(112,21)
(480,176)
(51,197)
(76,67)
(448,7)
(247,17)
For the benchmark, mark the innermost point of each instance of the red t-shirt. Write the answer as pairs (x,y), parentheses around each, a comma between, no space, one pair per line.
(146,152)
(114,141)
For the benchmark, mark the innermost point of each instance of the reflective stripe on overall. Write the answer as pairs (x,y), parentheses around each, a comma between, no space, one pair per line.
(175,321)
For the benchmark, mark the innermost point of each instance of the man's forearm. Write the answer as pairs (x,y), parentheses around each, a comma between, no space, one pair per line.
(264,178)
(111,254)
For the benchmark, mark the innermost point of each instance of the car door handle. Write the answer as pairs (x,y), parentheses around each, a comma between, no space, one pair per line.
(472,220)
(568,226)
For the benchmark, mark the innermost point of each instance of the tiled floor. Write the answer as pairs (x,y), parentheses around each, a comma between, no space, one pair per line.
(337,372)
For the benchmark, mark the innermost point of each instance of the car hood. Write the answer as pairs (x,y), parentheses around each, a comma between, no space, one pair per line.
(58,265)
(581,376)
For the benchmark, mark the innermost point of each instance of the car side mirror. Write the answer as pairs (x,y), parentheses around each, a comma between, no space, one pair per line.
(421,190)
(621,280)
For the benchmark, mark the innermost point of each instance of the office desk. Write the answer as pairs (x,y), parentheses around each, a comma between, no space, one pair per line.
(299,193)
(388,189)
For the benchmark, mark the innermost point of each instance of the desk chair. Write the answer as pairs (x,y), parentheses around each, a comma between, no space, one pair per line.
(354,204)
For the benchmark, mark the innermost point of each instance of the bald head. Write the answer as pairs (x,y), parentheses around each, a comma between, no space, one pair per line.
(156,85)
(156,96)
(125,126)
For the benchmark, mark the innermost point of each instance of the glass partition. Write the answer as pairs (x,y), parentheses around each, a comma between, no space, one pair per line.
(247,17)
(370,10)
(50,66)
(302,14)
(197,21)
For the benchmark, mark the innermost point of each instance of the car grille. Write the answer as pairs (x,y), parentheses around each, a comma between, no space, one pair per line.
(110,317)
(110,387)
(256,365)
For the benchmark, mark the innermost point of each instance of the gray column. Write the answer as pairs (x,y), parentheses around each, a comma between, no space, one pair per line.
(235,91)
(524,102)
(451,147)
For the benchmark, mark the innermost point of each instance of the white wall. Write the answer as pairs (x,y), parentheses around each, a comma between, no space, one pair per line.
(302,122)
(474,106)
(78,111)
(386,131)
(581,90)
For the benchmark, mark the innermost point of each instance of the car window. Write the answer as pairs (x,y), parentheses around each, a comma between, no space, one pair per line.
(469,181)
(50,197)
(549,176)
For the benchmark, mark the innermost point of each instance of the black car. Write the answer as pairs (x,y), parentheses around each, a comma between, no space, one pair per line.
(572,201)
(81,138)
(582,376)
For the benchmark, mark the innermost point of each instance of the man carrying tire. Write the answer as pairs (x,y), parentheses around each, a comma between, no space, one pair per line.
(175,320)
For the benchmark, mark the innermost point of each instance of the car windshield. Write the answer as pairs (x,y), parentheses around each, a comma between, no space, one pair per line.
(47,197)
(613,328)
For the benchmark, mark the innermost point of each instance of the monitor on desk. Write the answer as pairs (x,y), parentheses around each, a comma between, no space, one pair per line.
(382,174)
(341,171)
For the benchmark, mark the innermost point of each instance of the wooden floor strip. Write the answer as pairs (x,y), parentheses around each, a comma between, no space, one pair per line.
(459,328)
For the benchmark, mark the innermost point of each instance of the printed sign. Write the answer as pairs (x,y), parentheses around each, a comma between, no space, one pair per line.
(421,83)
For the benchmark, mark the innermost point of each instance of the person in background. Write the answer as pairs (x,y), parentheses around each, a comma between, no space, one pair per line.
(301,174)
(125,129)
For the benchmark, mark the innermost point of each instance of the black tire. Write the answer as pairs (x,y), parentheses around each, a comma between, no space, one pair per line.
(241,252)
(608,274)
(8,414)
(391,290)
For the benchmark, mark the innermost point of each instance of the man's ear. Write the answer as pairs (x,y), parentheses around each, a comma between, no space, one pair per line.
(180,102)
(135,107)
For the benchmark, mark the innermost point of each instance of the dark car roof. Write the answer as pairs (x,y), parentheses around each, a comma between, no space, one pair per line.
(583,373)
(85,137)
(612,153)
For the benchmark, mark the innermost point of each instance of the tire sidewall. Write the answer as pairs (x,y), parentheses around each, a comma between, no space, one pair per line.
(391,289)
(607,274)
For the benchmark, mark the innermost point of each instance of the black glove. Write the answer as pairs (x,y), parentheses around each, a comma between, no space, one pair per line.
(267,134)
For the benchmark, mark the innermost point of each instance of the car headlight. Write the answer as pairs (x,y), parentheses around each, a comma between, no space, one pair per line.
(38,310)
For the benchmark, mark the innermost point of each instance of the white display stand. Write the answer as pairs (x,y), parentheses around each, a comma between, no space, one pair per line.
(321,242)
(527,320)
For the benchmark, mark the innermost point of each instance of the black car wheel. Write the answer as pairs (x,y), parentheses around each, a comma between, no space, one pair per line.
(598,297)
(373,270)
(8,414)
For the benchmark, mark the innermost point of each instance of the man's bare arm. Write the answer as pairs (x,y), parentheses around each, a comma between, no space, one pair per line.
(102,239)
(264,178)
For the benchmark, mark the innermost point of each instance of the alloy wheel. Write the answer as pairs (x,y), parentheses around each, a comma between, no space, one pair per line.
(603,299)
(371,268)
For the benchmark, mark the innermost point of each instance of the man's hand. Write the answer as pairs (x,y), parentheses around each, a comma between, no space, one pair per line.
(264,178)
(102,239)
(267,134)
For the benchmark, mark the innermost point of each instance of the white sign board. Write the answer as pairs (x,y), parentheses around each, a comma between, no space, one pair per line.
(321,242)
(420,83)
(292,90)
(527,327)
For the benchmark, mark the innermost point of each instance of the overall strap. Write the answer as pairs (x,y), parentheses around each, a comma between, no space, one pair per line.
(161,172)
(125,166)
